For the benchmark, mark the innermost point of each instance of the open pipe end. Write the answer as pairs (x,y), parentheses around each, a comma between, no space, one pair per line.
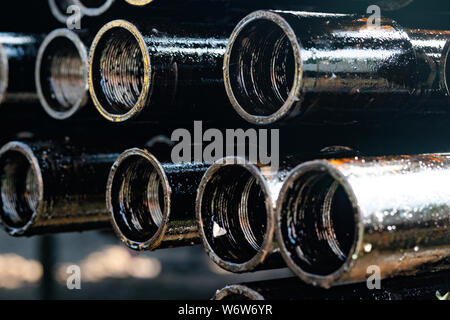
(234,211)
(94,7)
(119,71)
(237,293)
(139,2)
(21,187)
(61,74)
(318,223)
(262,68)
(138,198)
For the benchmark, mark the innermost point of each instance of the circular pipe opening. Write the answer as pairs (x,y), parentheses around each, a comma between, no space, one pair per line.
(62,74)
(138,199)
(21,187)
(317,222)
(234,211)
(261,68)
(4,73)
(238,293)
(94,7)
(119,72)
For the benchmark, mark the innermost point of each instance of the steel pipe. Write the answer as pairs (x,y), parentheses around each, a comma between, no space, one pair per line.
(61,74)
(17,57)
(426,287)
(156,70)
(152,203)
(320,67)
(94,8)
(48,188)
(336,218)
(235,210)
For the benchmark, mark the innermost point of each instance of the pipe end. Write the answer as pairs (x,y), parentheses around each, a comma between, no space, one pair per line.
(61,74)
(238,293)
(263,69)
(318,226)
(119,71)
(138,199)
(21,186)
(234,209)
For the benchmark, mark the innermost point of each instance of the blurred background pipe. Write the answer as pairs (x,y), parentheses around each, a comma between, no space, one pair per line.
(337,218)
(153,72)
(426,287)
(152,204)
(47,187)
(94,8)
(59,9)
(321,67)
(17,58)
(61,74)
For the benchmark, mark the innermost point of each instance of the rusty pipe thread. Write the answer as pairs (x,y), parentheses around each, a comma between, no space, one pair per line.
(48,188)
(17,56)
(119,71)
(275,67)
(61,74)
(152,203)
(335,218)
(235,212)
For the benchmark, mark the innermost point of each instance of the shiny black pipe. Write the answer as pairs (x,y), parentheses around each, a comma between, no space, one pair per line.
(152,204)
(235,209)
(61,74)
(431,287)
(320,67)
(17,58)
(338,218)
(155,72)
(48,187)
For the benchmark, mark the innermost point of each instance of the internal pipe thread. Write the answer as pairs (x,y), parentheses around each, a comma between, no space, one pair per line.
(66,78)
(121,72)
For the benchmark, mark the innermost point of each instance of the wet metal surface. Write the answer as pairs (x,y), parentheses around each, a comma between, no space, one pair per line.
(321,67)
(63,190)
(338,217)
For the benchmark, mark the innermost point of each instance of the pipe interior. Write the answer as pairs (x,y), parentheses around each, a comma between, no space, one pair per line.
(118,71)
(62,75)
(137,199)
(236,297)
(19,189)
(261,68)
(234,214)
(318,223)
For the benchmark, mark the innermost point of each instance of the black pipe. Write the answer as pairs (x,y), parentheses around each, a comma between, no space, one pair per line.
(152,204)
(61,74)
(17,58)
(155,72)
(47,187)
(319,67)
(432,286)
